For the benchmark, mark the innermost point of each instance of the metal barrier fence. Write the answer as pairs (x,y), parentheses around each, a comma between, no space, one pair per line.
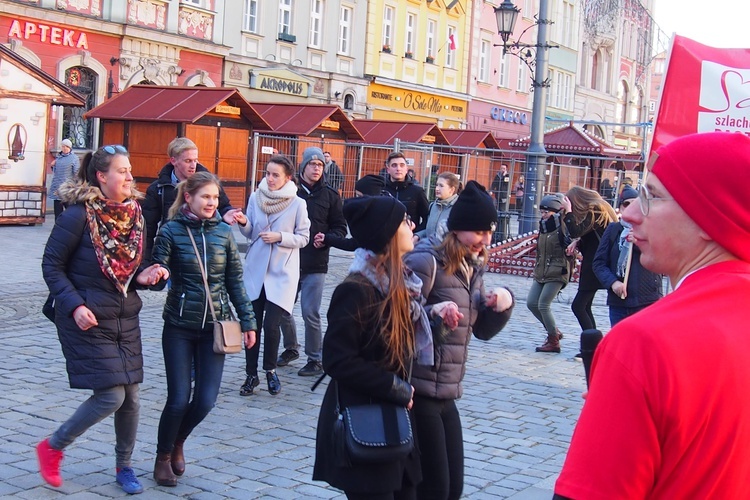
(560,173)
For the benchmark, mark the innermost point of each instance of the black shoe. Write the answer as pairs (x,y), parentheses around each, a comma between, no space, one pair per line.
(251,382)
(578,356)
(274,386)
(311,369)
(287,357)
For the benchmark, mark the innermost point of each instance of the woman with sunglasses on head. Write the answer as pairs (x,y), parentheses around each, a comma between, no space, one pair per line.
(187,337)
(92,264)
(452,272)
(552,269)
(617,257)
(587,215)
(376,325)
(277,226)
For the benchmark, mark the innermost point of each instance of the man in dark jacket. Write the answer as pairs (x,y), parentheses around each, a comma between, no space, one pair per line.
(324,208)
(160,195)
(332,173)
(500,187)
(406,191)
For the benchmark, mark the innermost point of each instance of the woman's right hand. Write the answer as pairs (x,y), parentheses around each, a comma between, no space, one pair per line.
(411,400)
(571,250)
(249,338)
(567,206)
(84,318)
(449,313)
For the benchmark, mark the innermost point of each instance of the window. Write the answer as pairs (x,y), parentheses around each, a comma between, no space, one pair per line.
(411,35)
(560,90)
(316,22)
(568,24)
(552,77)
(345,30)
(504,71)
(523,83)
(348,101)
(79,129)
(431,29)
(567,89)
(450,55)
(285,16)
(250,17)
(387,26)
(484,61)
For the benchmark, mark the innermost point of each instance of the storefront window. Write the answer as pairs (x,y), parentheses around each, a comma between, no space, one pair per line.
(75,126)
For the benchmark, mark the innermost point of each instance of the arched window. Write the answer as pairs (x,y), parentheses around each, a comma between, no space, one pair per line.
(623,101)
(75,126)
(349,101)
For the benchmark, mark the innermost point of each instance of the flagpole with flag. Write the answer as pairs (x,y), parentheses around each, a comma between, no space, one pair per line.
(450,42)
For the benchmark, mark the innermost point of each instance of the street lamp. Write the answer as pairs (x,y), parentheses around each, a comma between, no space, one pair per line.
(536,58)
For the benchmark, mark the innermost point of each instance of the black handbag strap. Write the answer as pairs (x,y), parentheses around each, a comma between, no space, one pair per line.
(205,279)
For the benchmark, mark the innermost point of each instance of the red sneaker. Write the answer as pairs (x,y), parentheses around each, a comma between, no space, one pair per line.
(49,463)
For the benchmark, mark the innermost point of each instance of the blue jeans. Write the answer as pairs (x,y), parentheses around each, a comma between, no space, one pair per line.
(123,401)
(617,313)
(182,348)
(310,295)
(539,301)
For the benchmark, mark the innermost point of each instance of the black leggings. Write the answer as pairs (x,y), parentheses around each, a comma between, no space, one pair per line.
(582,309)
(441,447)
(270,316)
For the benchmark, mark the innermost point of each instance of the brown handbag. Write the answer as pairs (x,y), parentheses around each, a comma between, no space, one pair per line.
(227,333)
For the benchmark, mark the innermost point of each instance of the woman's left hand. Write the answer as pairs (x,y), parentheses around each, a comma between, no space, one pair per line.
(270,237)
(249,338)
(152,275)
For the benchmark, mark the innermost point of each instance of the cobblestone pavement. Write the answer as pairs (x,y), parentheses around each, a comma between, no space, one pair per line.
(518,410)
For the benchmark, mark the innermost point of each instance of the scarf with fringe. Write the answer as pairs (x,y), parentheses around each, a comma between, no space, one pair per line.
(117,235)
(364,263)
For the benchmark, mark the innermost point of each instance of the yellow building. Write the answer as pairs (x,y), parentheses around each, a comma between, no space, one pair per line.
(417,57)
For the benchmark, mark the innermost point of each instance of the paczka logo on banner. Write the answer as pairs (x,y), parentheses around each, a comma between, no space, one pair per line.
(724,99)
(705,89)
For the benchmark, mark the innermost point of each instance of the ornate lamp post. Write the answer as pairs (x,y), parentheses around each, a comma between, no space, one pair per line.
(536,58)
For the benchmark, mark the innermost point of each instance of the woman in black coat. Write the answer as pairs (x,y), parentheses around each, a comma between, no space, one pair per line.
(369,345)
(91,264)
(587,216)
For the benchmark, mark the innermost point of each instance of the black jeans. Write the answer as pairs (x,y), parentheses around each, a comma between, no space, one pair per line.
(184,348)
(441,447)
(270,316)
(581,308)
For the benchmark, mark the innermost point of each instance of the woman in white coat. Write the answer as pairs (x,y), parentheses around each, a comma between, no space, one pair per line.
(277,226)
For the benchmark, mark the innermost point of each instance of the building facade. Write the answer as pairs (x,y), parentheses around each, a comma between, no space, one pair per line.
(100,47)
(298,51)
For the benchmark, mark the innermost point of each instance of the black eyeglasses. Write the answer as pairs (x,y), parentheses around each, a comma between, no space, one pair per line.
(115,149)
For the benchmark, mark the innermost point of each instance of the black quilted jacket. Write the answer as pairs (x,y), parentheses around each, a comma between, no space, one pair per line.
(186,304)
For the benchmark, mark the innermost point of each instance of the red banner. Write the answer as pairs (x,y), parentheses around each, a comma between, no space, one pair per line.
(705,89)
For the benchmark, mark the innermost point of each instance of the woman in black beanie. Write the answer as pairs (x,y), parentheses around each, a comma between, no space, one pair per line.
(375,323)
(452,271)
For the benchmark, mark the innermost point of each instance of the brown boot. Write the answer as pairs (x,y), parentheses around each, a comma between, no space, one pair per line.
(178,458)
(559,334)
(551,345)
(163,474)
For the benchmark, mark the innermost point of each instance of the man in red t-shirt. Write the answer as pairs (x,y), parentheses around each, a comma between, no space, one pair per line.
(668,410)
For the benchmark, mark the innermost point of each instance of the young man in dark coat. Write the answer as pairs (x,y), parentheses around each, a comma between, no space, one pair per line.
(406,191)
(183,163)
(326,221)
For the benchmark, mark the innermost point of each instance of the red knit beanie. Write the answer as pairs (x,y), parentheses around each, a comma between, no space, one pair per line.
(708,174)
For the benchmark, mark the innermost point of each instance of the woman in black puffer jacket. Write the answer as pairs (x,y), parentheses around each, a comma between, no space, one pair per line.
(187,339)
(91,264)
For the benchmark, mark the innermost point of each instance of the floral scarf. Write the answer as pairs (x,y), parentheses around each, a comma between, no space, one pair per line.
(273,202)
(117,234)
(364,263)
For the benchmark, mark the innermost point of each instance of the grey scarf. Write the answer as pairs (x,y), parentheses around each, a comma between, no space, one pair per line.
(364,263)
